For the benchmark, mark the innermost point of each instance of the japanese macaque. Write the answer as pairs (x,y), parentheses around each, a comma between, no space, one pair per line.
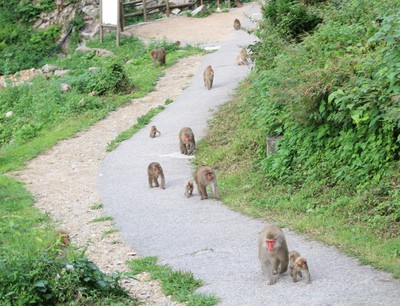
(241,59)
(272,252)
(187,143)
(203,177)
(154,132)
(158,55)
(298,264)
(208,77)
(154,171)
(189,188)
(236,24)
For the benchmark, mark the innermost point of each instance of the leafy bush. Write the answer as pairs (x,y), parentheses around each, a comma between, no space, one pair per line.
(32,271)
(52,280)
(290,18)
(22,46)
(109,79)
(333,98)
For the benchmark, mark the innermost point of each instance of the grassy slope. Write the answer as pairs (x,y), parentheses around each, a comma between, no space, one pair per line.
(359,216)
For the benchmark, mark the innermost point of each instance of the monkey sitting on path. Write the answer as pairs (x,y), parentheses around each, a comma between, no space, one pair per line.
(241,59)
(236,24)
(154,131)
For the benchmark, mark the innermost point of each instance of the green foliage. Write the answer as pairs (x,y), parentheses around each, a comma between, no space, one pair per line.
(290,18)
(25,11)
(32,272)
(22,48)
(334,100)
(180,285)
(21,45)
(109,79)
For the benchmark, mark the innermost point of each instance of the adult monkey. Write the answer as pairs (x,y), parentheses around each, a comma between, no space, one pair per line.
(158,55)
(154,171)
(187,143)
(208,76)
(236,24)
(203,177)
(272,252)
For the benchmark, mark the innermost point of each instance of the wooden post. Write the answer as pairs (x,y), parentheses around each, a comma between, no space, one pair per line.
(121,15)
(167,5)
(144,11)
(101,22)
(229,3)
(118,22)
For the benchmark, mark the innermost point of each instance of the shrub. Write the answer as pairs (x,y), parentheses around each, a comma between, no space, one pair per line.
(109,79)
(291,18)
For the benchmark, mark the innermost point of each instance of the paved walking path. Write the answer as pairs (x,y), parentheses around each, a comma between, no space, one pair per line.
(218,245)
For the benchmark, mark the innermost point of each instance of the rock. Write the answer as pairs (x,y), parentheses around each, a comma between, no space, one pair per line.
(65,87)
(49,68)
(83,49)
(93,69)
(103,52)
(176,11)
(61,72)
(9,114)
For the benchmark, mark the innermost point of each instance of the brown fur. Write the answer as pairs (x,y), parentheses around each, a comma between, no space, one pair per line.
(158,55)
(208,76)
(203,177)
(154,171)
(274,261)
(187,143)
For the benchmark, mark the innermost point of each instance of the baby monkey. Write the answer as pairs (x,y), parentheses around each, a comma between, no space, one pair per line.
(298,264)
(189,188)
(154,132)
(236,24)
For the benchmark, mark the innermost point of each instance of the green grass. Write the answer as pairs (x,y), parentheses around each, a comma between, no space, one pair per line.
(142,121)
(103,219)
(97,206)
(180,285)
(32,269)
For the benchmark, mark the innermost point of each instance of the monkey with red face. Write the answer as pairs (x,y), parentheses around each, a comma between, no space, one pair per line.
(272,252)
(187,143)
(203,177)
